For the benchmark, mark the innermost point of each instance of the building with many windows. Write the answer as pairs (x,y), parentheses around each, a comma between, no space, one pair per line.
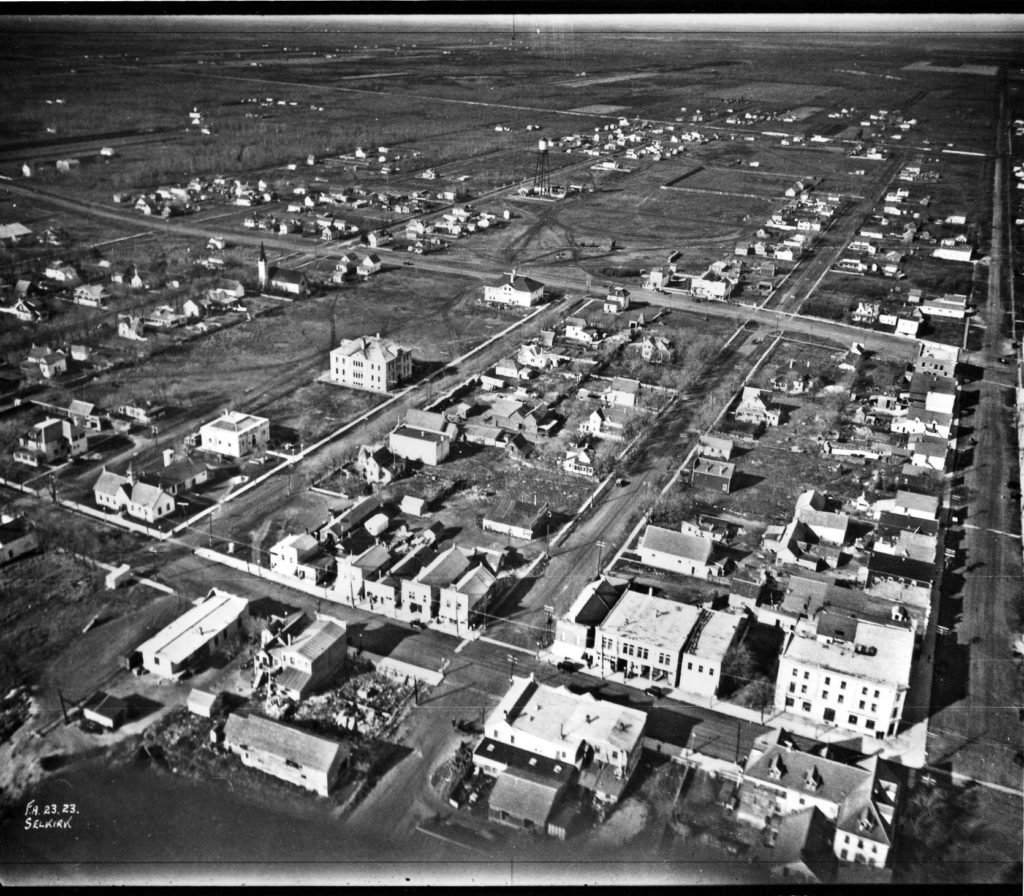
(854,677)
(370,363)
(651,640)
(786,775)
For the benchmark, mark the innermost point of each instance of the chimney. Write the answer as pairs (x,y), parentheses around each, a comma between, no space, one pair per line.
(168,456)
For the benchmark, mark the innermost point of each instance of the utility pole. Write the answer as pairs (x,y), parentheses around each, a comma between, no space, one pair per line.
(600,547)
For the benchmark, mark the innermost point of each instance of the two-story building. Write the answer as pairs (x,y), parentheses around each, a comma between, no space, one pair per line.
(370,363)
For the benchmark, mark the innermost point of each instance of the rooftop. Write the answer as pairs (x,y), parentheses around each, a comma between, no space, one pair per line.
(284,741)
(668,541)
(555,715)
(179,640)
(316,640)
(236,421)
(889,664)
(662,623)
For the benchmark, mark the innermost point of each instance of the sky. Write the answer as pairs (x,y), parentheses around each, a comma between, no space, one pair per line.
(737,22)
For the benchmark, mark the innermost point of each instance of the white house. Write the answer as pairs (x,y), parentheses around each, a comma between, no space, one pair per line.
(522,292)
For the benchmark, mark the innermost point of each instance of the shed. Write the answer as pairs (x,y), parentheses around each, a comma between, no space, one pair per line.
(377,524)
(205,703)
(105,710)
(117,576)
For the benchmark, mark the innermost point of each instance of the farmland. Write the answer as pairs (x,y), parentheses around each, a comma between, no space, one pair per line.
(737,203)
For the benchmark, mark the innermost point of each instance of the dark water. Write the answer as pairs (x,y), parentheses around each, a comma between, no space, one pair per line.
(138,824)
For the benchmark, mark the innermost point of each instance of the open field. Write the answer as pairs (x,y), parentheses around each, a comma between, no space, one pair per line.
(461,102)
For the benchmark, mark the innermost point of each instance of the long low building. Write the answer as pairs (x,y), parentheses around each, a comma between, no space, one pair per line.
(191,638)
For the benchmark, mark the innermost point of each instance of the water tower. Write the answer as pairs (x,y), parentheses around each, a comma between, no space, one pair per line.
(542,174)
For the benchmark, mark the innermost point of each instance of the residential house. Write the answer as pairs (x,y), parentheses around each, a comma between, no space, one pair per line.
(578,330)
(194,310)
(376,463)
(92,295)
(579,460)
(302,557)
(617,300)
(17,537)
(655,349)
(371,363)
(131,326)
(283,751)
(235,434)
(371,264)
(623,393)
(51,441)
(187,643)
(690,555)
(353,570)
(607,423)
(712,474)
(756,406)
(712,285)
(715,448)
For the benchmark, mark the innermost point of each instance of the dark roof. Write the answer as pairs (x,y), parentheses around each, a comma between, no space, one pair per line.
(901,567)
(286,276)
(902,522)
(513,512)
(531,764)
(596,609)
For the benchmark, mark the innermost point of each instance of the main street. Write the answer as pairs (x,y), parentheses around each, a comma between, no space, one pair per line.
(975,729)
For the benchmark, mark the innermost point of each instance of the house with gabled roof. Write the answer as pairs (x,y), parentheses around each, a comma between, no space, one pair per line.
(673,551)
(859,796)
(518,291)
(17,537)
(376,463)
(131,495)
(756,406)
(715,447)
(302,557)
(578,330)
(50,441)
(518,519)
(299,757)
(307,659)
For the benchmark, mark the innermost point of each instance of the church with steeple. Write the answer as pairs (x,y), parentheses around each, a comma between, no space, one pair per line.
(274,280)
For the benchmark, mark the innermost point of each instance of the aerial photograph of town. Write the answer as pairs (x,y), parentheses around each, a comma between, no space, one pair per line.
(512,449)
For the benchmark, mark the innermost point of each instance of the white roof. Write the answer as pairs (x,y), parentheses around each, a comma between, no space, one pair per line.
(179,640)
(557,716)
(889,664)
(661,623)
(236,421)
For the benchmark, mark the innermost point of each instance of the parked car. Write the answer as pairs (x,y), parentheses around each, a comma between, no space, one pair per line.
(419,626)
